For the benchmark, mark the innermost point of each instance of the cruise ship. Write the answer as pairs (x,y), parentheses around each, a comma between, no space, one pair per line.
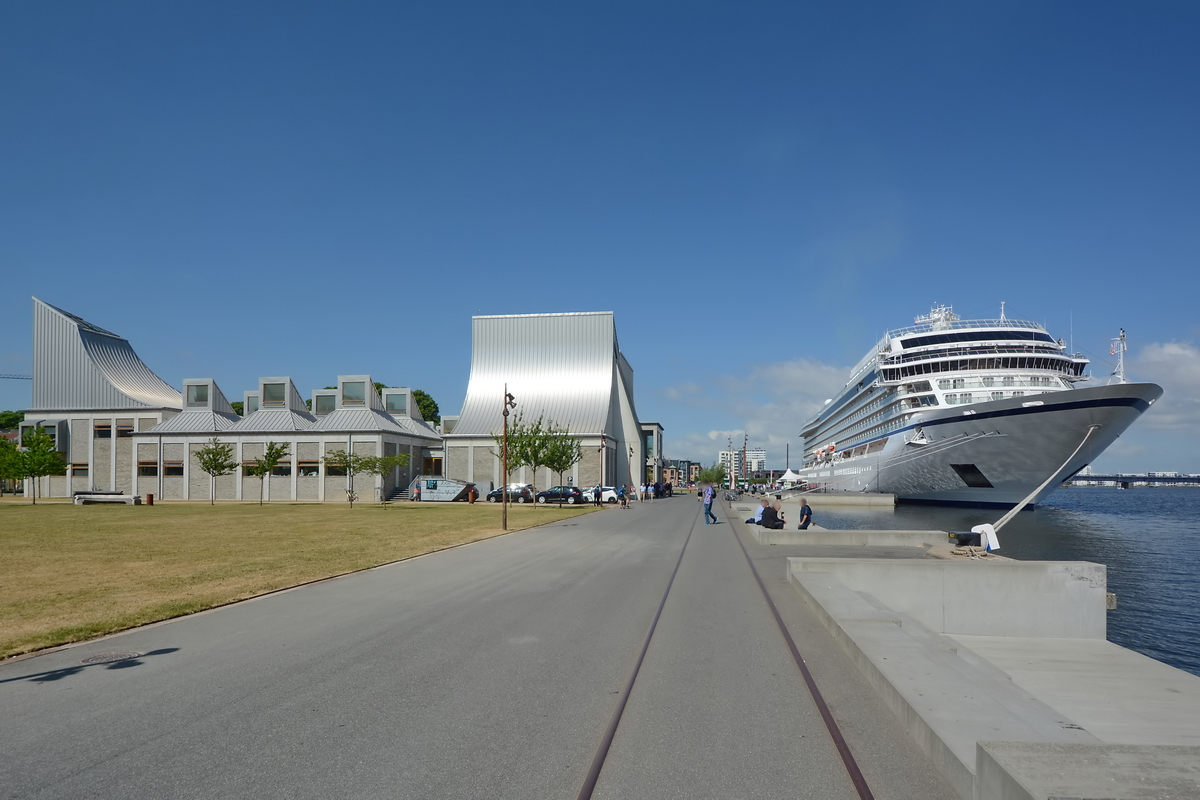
(968,412)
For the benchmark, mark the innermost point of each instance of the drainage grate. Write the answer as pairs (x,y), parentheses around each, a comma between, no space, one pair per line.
(108,658)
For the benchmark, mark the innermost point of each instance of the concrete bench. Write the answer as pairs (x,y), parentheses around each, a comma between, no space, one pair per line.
(90,499)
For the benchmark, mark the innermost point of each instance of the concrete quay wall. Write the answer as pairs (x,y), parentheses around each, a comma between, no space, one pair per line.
(1001,672)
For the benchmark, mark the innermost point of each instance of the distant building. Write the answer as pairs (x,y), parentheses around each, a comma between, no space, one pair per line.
(121,428)
(652,445)
(732,461)
(756,459)
(566,368)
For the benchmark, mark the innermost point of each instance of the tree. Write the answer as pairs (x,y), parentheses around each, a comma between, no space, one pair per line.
(381,466)
(9,463)
(266,464)
(216,459)
(239,408)
(714,474)
(10,420)
(351,464)
(39,458)
(428,406)
(528,445)
(562,452)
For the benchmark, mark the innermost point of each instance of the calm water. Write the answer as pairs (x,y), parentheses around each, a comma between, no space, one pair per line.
(1147,538)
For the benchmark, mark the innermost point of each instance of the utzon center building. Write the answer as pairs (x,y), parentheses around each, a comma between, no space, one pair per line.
(121,428)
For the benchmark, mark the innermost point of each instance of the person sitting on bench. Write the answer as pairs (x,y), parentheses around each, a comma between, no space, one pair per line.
(758,514)
(771,518)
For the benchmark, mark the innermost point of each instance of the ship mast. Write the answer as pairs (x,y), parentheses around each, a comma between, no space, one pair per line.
(1118,349)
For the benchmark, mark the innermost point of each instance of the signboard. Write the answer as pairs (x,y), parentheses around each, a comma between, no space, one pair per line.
(441,490)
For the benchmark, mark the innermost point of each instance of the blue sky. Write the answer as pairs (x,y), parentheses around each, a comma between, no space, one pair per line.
(757,190)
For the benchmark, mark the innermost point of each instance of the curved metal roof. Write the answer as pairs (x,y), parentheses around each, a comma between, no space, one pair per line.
(78,365)
(564,367)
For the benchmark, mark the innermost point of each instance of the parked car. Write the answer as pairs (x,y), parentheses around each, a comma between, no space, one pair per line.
(608,494)
(570,495)
(517,493)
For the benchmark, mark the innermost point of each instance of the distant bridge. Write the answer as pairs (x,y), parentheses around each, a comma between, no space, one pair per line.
(1125,481)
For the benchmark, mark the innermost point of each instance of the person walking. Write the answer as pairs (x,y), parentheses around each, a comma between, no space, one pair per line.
(710,494)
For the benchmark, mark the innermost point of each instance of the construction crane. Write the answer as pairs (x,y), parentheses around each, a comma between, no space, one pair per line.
(17,377)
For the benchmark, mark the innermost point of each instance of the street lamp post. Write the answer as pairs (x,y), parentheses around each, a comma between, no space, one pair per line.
(603,446)
(509,402)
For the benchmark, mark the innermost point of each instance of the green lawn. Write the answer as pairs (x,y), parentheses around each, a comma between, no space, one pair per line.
(69,573)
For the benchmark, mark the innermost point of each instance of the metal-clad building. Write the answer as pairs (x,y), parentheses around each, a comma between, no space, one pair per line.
(566,368)
(122,428)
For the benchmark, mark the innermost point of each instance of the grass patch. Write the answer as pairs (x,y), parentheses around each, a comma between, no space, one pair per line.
(69,573)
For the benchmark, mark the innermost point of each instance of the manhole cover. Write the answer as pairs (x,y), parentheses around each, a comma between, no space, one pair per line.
(108,658)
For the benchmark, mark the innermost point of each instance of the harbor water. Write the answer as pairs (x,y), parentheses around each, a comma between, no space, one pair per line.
(1146,537)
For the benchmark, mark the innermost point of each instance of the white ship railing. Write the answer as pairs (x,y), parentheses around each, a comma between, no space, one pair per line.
(961,324)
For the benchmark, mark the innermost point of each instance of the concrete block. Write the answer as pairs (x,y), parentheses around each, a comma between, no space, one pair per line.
(983,597)
(1039,771)
(821,536)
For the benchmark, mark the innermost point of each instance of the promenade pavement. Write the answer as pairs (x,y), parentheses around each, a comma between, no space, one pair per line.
(486,671)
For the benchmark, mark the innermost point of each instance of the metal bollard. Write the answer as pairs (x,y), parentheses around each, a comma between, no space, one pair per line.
(149,499)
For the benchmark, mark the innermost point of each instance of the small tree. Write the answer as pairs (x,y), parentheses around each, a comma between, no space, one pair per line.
(11,419)
(381,466)
(10,469)
(39,458)
(528,445)
(563,451)
(350,463)
(217,460)
(714,474)
(266,464)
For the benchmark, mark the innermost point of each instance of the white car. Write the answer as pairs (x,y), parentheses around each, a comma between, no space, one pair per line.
(608,494)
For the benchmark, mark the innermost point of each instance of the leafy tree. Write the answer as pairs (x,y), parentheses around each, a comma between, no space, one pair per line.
(351,463)
(714,474)
(239,408)
(528,445)
(39,458)
(428,406)
(562,452)
(10,420)
(216,459)
(381,466)
(267,462)
(9,463)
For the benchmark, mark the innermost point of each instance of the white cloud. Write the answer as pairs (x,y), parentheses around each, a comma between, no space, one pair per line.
(772,400)
(1176,367)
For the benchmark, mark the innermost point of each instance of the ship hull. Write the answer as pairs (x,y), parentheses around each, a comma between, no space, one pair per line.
(996,453)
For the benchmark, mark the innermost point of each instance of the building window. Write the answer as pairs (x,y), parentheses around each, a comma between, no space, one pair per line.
(102,430)
(124,429)
(397,403)
(273,395)
(325,404)
(354,393)
(282,471)
(448,425)
(251,404)
(173,469)
(79,470)
(247,466)
(197,395)
(148,469)
(309,469)
(335,472)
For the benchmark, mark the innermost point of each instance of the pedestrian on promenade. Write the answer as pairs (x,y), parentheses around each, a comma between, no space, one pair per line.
(621,499)
(710,494)
(416,492)
(597,494)
(758,513)
(805,516)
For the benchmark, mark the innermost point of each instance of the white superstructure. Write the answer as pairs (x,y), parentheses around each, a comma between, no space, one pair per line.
(966,411)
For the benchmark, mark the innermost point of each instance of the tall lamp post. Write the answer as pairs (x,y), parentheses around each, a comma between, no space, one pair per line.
(631,464)
(603,446)
(509,402)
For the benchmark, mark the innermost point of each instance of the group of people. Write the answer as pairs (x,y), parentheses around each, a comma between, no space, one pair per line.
(771,516)
(626,492)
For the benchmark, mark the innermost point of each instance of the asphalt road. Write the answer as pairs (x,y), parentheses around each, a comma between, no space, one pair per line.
(487,671)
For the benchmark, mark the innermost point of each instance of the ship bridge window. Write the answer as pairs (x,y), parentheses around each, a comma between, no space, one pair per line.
(976,336)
